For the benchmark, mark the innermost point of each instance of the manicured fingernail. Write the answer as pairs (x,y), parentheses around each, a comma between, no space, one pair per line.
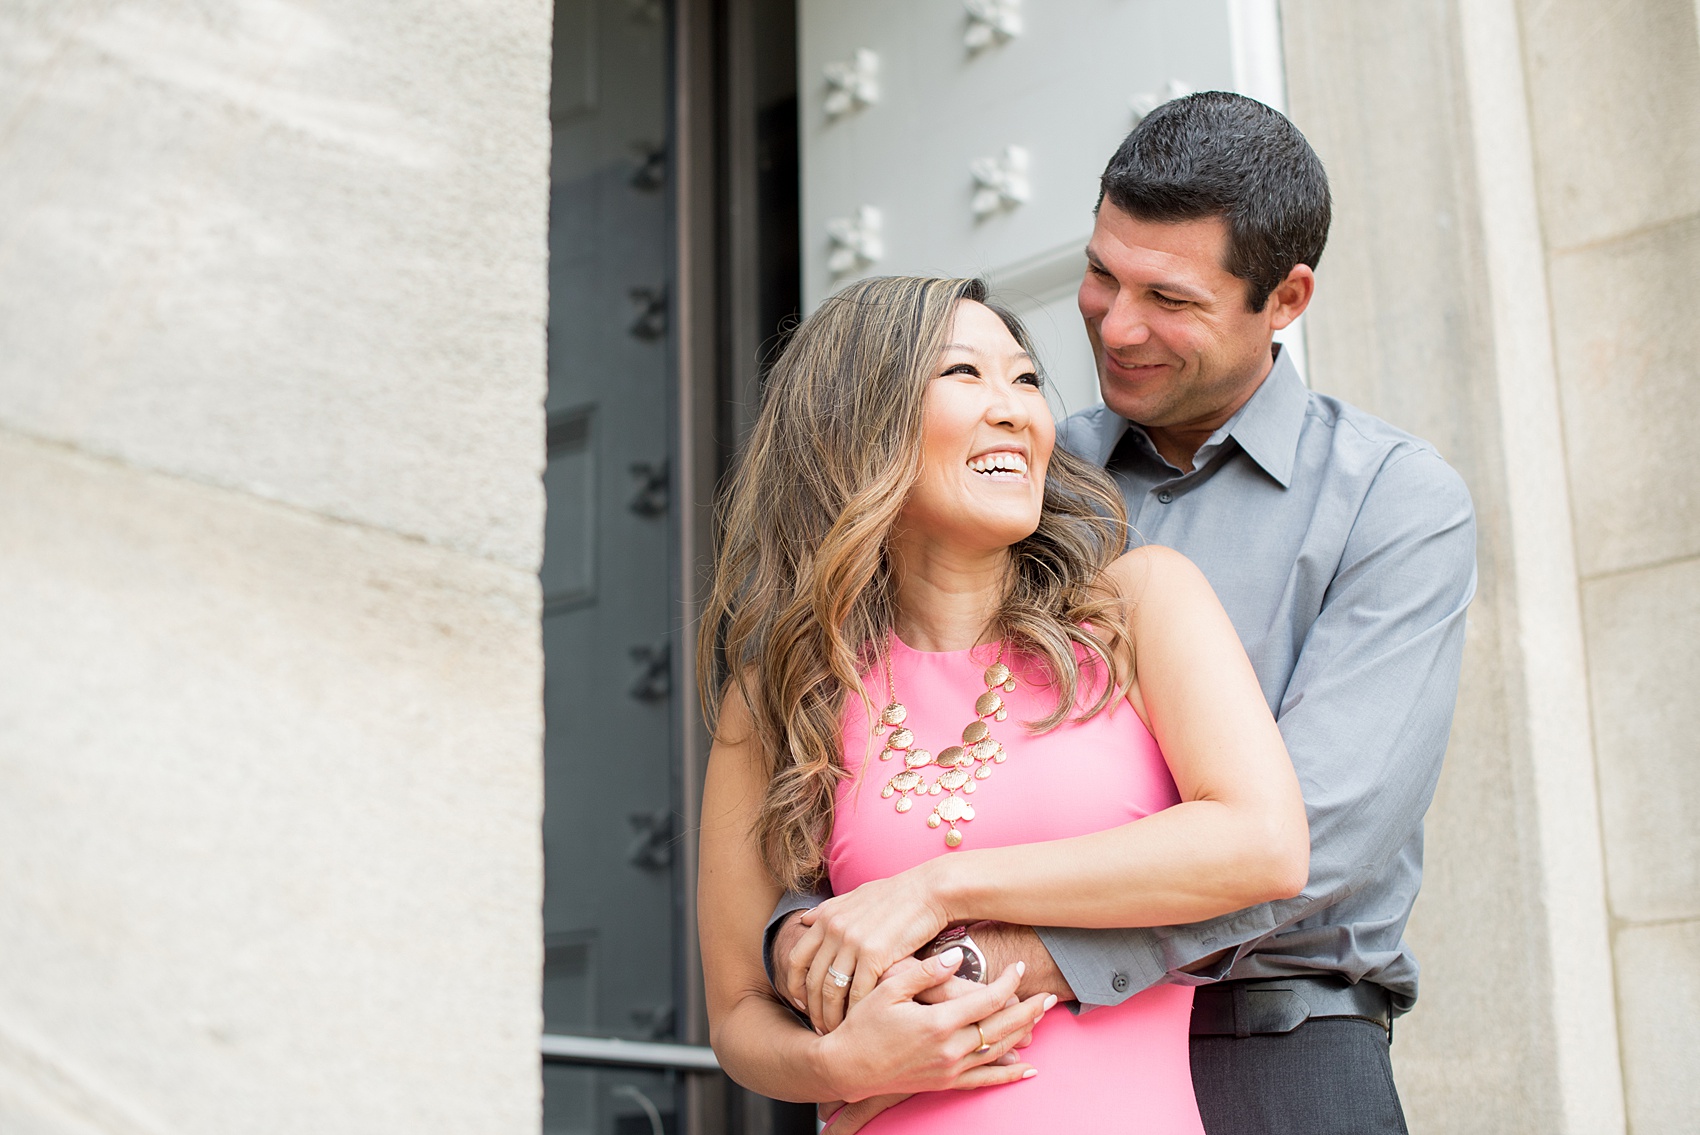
(1020,969)
(1050,1001)
(951,958)
(1030,1073)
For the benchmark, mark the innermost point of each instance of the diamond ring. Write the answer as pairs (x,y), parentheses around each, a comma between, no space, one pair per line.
(838,979)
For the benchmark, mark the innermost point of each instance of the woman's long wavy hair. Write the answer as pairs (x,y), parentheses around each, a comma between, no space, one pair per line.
(802,603)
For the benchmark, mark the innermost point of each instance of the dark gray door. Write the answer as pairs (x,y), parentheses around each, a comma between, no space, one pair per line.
(610,905)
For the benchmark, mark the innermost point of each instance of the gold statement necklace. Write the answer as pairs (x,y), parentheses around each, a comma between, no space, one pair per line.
(963,765)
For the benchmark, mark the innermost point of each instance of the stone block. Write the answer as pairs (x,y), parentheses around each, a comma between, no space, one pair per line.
(1628,343)
(1658,981)
(269,854)
(1614,97)
(294,250)
(1642,629)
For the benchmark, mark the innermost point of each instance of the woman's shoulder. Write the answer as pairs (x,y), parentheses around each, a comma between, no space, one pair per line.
(1134,574)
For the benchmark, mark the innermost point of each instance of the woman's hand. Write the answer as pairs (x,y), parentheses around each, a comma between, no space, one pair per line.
(861,935)
(892,1044)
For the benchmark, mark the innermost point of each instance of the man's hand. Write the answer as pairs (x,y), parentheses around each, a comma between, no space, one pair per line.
(791,970)
(843,1118)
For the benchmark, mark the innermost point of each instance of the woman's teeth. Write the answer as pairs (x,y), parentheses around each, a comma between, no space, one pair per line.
(1008,465)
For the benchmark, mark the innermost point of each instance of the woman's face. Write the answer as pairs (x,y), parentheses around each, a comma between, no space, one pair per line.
(986,440)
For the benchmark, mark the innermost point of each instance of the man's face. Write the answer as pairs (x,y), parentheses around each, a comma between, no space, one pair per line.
(1175,344)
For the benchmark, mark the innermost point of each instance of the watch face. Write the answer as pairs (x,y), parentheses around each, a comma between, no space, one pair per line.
(973,967)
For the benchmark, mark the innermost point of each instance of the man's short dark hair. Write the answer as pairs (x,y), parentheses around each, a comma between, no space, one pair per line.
(1217,154)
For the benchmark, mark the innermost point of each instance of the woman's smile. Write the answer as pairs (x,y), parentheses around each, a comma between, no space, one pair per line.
(1000,465)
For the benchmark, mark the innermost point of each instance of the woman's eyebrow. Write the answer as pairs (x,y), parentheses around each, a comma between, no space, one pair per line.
(1013,355)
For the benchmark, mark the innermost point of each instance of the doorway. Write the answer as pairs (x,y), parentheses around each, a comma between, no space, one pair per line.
(673,266)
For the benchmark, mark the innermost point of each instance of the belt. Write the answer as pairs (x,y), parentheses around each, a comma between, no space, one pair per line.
(1282,1004)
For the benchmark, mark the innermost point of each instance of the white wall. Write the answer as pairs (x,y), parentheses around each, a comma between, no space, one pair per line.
(1512,274)
(272,303)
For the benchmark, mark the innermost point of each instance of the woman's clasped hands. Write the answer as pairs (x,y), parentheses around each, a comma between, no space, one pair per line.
(894,1043)
(860,936)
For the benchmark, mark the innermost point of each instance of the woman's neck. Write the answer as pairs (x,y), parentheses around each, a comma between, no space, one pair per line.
(946,598)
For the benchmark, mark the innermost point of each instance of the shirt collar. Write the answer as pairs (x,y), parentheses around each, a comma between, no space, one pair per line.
(1267,427)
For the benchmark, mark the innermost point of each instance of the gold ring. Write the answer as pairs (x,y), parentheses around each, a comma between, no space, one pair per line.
(983,1045)
(838,979)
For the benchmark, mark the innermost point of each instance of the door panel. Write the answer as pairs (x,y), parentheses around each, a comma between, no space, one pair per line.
(1059,83)
(610,903)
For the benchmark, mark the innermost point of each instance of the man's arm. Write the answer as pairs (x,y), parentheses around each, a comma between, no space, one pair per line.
(1003,945)
(1365,718)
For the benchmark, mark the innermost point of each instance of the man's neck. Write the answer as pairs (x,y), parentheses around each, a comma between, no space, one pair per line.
(1179,443)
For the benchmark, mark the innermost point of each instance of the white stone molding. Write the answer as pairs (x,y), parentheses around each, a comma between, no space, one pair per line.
(856,241)
(853,84)
(991,22)
(1147,101)
(1000,183)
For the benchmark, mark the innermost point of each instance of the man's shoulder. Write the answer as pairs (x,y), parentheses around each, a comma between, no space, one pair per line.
(1092,433)
(1357,441)
(1398,483)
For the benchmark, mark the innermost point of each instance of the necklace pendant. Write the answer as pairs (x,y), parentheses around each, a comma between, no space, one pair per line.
(900,739)
(996,674)
(953,838)
(904,804)
(975,733)
(895,714)
(917,758)
(988,704)
(1009,686)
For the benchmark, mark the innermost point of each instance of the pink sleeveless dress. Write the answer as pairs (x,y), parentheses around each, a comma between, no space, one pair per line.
(1123,1068)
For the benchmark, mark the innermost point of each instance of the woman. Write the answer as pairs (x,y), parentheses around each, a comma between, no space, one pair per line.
(910,572)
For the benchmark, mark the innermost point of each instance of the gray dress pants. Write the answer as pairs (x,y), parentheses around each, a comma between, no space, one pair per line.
(1329,1076)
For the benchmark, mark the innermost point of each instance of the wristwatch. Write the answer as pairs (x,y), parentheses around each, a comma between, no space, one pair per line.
(973,967)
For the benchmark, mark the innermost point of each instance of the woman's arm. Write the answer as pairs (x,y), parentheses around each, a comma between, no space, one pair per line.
(892,1043)
(1237,838)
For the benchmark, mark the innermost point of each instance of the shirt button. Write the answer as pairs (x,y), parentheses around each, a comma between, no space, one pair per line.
(1119,983)
(1165,496)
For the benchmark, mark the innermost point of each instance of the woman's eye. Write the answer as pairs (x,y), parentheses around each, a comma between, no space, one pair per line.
(1031,379)
(963,368)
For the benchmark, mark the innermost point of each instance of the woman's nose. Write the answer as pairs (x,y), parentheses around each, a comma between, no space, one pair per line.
(1006,409)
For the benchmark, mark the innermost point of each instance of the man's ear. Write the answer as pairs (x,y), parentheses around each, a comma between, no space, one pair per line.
(1290,297)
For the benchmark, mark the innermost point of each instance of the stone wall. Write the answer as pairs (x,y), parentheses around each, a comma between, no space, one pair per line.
(272,304)
(1515,274)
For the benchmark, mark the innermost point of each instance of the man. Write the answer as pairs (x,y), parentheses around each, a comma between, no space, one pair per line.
(1344,552)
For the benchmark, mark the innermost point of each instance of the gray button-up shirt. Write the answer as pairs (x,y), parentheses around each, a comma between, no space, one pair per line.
(1344,552)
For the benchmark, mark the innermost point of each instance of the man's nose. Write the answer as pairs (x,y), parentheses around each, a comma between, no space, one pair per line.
(1124,324)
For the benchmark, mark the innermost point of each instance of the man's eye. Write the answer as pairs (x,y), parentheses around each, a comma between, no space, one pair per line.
(1170,301)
